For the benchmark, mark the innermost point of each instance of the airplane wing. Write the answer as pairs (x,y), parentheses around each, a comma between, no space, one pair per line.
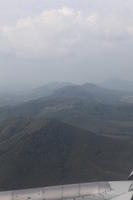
(121,190)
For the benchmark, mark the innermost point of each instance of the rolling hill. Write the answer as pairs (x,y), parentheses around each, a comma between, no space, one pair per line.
(66,137)
(86,106)
(41,152)
(10,98)
(92,93)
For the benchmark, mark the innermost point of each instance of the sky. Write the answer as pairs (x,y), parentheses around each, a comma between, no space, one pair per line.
(64,40)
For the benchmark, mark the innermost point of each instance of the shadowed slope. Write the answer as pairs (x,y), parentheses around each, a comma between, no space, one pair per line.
(47,152)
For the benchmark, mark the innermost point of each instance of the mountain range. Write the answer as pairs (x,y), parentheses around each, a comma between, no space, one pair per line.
(86,106)
(110,91)
(66,135)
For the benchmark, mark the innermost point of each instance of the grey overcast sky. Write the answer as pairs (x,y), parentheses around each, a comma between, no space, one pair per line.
(65,40)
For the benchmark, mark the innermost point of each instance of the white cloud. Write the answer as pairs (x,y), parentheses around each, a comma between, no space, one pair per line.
(52,33)
(58,32)
(82,41)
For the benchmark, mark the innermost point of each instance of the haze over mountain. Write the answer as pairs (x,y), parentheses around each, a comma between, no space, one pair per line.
(87,106)
(91,92)
(47,90)
(68,135)
(104,92)
(61,132)
(118,84)
(17,97)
